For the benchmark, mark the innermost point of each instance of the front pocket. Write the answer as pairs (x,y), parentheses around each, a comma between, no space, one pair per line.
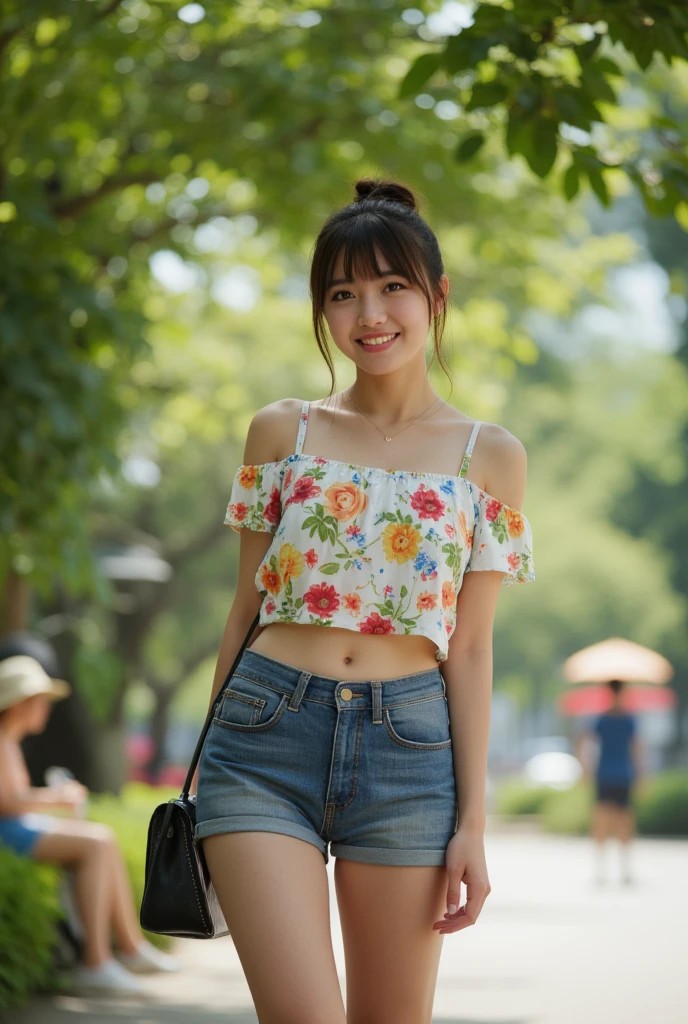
(421,726)
(248,705)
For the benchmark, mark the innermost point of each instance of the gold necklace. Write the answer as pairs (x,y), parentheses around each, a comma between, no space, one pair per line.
(403,428)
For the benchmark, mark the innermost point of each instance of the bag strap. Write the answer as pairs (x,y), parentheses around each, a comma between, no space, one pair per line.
(211,713)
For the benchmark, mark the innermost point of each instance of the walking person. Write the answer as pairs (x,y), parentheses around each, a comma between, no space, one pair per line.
(616,774)
(104,896)
(357,721)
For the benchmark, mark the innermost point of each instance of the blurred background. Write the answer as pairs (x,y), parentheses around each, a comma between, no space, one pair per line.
(164,169)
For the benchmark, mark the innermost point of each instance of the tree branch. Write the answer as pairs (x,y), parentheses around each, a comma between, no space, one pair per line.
(77,204)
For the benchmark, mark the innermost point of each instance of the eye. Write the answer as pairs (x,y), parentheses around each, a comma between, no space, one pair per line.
(398,284)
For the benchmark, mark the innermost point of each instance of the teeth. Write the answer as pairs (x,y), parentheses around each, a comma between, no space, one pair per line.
(381,340)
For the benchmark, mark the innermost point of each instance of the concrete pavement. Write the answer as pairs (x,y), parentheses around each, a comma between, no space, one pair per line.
(550,947)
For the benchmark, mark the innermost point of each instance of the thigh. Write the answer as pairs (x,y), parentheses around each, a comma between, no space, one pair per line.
(274,893)
(392,952)
(70,840)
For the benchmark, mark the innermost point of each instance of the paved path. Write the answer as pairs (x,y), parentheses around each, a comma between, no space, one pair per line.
(550,947)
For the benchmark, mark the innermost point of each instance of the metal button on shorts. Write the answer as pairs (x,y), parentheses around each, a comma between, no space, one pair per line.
(363,768)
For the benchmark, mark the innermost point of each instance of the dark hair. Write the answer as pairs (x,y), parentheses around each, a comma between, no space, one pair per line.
(615,685)
(384,215)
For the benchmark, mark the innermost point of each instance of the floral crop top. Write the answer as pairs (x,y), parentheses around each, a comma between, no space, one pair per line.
(373,550)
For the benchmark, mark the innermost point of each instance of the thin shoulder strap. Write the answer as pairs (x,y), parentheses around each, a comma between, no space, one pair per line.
(469,449)
(303,423)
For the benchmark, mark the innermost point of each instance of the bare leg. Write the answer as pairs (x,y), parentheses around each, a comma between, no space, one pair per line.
(274,894)
(123,915)
(85,845)
(392,952)
(625,830)
(600,831)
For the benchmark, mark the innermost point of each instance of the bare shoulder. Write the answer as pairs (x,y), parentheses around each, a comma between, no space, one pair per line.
(506,464)
(272,432)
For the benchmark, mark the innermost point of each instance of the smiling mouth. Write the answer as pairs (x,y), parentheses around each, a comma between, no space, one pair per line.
(385,339)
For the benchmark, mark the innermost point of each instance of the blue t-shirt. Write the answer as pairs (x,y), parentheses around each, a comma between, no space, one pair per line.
(615,732)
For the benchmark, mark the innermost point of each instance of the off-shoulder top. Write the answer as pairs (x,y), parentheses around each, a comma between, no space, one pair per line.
(373,550)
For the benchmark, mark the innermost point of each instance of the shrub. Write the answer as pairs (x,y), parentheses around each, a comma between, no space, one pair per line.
(569,810)
(662,805)
(29,908)
(514,796)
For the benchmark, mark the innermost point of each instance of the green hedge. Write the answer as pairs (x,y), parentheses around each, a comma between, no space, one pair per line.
(29,908)
(660,804)
(29,894)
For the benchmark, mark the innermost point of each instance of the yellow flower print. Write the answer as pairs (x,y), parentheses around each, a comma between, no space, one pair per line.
(514,522)
(400,542)
(448,594)
(247,476)
(291,562)
(352,602)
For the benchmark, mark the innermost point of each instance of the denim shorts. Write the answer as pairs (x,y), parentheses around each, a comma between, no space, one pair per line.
(21,833)
(364,766)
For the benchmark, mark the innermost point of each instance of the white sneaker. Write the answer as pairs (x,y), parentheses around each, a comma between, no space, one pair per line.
(148,959)
(109,976)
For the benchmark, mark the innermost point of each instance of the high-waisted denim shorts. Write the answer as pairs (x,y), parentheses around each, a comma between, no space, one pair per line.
(364,766)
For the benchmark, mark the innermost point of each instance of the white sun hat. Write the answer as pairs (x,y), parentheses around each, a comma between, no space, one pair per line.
(22,677)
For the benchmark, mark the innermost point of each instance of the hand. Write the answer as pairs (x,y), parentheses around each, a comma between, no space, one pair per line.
(465,860)
(72,795)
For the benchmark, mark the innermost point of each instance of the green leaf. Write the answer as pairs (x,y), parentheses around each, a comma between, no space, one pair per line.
(330,568)
(469,146)
(571,182)
(598,185)
(542,152)
(487,94)
(418,74)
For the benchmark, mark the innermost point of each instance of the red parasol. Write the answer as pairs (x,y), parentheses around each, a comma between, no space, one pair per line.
(591,700)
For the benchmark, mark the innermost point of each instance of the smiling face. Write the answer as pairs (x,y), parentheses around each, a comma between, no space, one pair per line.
(380,322)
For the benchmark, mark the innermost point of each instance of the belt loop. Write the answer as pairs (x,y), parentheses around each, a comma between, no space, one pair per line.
(376,686)
(295,699)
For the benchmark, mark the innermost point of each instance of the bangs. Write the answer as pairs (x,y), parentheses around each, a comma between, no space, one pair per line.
(356,241)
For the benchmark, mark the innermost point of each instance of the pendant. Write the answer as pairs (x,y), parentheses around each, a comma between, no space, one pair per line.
(388,439)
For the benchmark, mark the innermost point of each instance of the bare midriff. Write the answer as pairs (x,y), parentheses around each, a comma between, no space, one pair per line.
(343,654)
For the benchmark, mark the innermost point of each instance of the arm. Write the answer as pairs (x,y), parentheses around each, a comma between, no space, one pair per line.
(467,671)
(17,795)
(263,437)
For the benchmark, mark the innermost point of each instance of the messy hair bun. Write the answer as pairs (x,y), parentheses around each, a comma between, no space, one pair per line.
(384,188)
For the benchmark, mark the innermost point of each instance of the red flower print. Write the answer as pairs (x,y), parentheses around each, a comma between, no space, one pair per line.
(304,488)
(311,558)
(450,531)
(353,530)
(322,599)
(427,504)
(492,510)
(514,560)
(320,461)
(388,590)
(375,624)
(287,479)
(270,607)
(238,511)
(272,510)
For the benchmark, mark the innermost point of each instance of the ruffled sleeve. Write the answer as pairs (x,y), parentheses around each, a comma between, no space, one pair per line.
(254,502)
(502,540)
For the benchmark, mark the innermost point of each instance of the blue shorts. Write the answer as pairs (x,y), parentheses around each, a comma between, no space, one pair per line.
(364,766)
(23,832)
(618,793)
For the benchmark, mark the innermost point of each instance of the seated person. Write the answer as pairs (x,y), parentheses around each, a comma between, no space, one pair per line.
(103,891)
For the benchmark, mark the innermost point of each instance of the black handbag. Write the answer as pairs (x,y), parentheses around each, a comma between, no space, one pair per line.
(178,895)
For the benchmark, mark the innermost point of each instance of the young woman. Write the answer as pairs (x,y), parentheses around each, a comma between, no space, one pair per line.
(103,891)
(359,716)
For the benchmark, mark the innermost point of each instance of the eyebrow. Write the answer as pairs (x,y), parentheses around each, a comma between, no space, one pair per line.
(344,280)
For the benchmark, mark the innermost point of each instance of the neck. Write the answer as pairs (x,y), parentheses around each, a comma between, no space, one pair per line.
(389,400)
